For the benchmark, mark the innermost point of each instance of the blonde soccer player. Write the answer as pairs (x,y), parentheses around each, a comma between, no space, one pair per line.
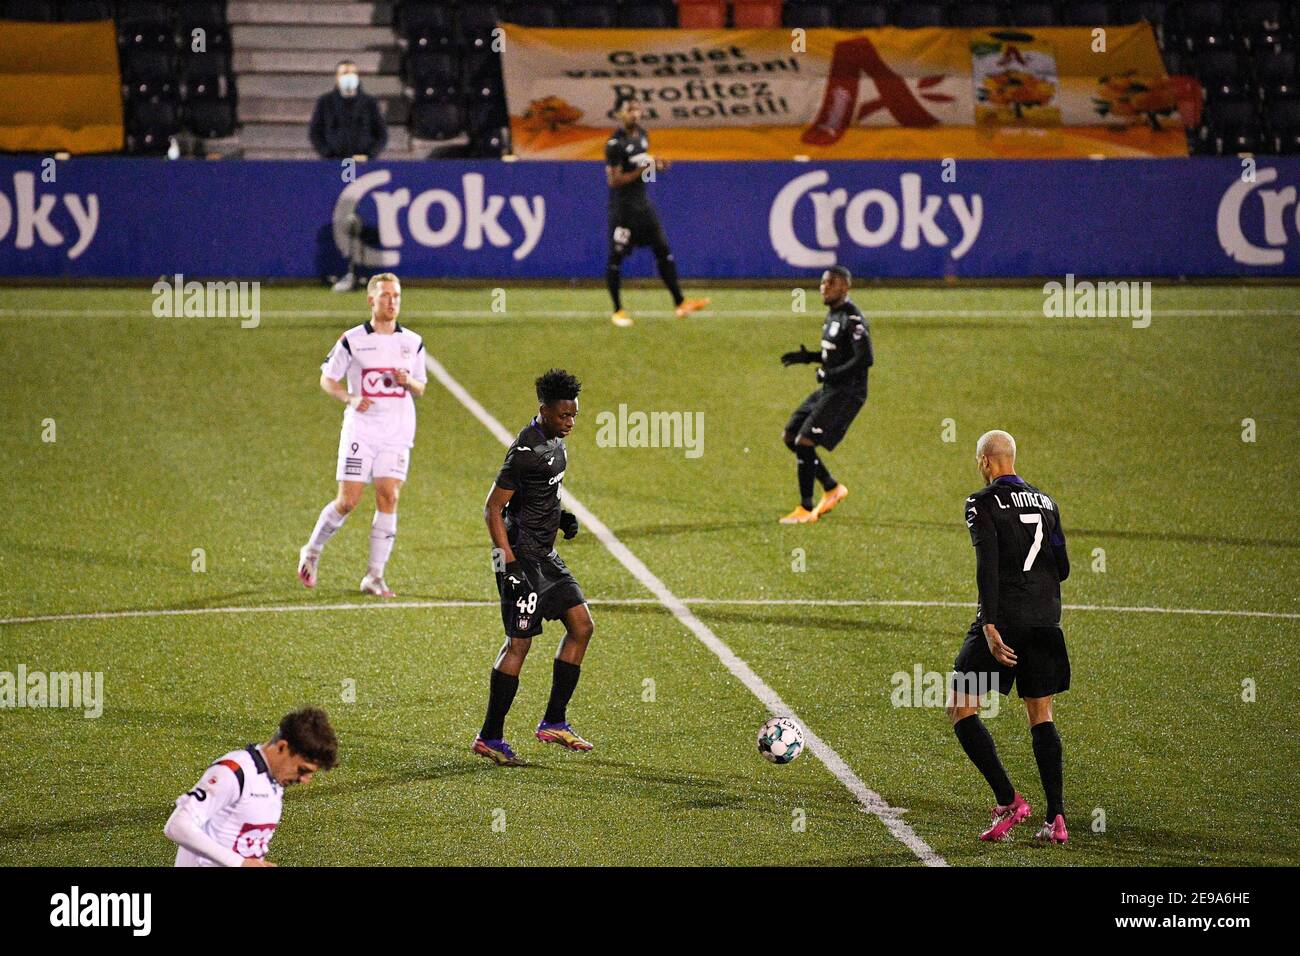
(376,370)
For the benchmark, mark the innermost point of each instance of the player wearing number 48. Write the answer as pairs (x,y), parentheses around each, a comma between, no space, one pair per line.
(523,514)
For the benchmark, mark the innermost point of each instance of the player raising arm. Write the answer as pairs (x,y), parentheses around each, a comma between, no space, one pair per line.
(383,365)
(230,815)
(825,415)
(523,515)
(1020,562)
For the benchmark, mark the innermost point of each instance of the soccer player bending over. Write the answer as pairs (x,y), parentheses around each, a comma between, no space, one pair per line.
(523,514)
(825,415)
(1020,561)
(632,220)
(229,817)
(383,364)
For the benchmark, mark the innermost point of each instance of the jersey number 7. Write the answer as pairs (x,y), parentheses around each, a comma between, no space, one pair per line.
(1037,521)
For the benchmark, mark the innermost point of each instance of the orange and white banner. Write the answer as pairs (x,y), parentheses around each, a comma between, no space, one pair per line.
(837,94)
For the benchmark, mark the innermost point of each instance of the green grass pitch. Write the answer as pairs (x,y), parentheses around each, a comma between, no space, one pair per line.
(172,435)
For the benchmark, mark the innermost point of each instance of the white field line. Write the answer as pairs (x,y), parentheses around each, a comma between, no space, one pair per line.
(416,314)
(611,602)
(870,801)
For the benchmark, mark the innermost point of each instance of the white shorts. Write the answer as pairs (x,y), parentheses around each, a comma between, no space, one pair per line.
(361,462)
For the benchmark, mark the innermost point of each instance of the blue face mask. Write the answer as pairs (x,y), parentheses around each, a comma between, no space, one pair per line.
(349,82)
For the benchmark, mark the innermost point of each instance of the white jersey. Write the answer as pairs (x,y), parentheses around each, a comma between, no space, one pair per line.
(368,360)
(237,803)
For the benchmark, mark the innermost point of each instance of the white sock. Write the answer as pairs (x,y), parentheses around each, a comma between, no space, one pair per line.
(329,521)
(383,532)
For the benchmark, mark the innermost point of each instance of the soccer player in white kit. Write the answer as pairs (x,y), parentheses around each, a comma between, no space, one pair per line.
(229,817)
(383,365)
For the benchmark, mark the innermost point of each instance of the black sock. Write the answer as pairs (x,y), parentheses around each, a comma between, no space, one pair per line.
(978,743)
(807,455)
(613,281)
(668,272)
(501,694)
(1047,751)
(823,475)
(564,678)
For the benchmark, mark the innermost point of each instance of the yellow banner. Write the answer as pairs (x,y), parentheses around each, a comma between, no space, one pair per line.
(838,94)
(62,88)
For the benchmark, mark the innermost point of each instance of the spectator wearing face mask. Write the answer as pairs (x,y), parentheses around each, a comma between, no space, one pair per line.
(346,121)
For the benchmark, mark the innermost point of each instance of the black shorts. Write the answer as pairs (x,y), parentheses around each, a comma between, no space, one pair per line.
(1043,668)
(825,417)
(556,589)
(634,226)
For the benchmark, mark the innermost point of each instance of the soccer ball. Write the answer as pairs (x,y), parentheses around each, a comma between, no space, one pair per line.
(780,740)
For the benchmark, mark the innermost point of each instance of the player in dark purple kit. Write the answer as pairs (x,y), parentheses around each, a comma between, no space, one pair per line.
(523,514)
(1016,639)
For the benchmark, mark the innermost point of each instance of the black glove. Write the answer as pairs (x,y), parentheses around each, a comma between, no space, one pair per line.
(518,589)
(801,357)
(568,524)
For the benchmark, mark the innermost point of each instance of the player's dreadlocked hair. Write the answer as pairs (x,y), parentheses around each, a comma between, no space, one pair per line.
(557,385)
(308,733)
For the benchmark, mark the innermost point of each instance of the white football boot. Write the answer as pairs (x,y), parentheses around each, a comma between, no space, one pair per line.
(307,567)
(376,586)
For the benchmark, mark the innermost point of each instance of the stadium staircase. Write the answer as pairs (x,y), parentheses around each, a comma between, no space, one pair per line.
(285,53)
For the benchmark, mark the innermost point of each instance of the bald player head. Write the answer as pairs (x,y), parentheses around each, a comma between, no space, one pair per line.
(995,455)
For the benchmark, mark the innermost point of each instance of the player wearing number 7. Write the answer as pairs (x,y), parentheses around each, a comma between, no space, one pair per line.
(523,514)
(1020,563)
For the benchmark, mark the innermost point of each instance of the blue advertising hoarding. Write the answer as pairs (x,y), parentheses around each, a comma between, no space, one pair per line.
(137,218)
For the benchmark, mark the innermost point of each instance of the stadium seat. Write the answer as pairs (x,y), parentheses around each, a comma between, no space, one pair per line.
(862,16)
(810,16)
(485,115)
(588,14)
(37,11)
(1202,25)
(437,120)
(210,119)
(489,144)
(84,11)
(1230,126)
(914,14)
(432,75)
(428,26)
(1276,76)
(206,76)
(477,21)
(1222,74)
(149,74)
(977,14)
(654,15)
(481,65)
(1032,14)
(1079,13)
(701,14)
(758,14)
(145,24)
(1264,24)
(533,14)
(208,14)
(1284,127)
